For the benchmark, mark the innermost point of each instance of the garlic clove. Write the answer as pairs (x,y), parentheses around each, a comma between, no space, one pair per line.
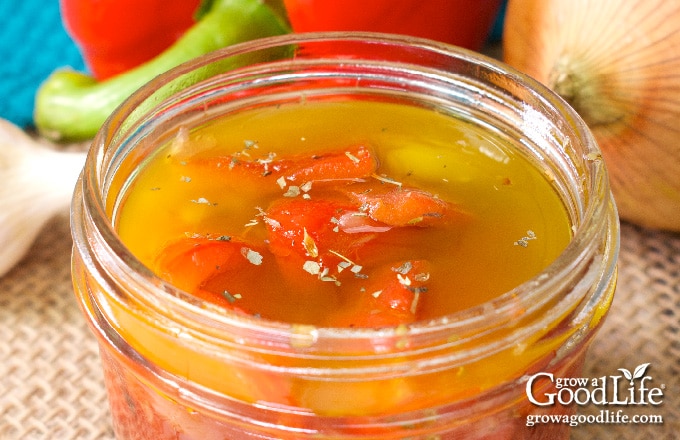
(37,183)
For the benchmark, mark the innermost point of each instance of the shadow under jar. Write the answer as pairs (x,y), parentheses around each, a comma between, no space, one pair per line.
(342,236)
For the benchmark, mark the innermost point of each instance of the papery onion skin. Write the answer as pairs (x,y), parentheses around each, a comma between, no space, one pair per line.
(617,62)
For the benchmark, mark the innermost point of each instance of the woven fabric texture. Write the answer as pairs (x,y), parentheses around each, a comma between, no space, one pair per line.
(51,385)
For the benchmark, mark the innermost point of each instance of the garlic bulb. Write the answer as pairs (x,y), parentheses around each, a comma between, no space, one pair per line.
(37,183)
(617,62)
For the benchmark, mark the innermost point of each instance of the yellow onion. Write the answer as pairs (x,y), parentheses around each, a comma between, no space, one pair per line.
(617,62)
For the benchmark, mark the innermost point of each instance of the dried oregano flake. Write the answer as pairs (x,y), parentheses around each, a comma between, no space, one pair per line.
(252,256)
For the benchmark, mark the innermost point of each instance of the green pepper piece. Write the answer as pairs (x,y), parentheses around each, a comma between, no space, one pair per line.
(72,106)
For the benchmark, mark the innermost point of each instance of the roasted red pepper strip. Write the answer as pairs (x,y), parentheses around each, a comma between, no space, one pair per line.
(352,163)
(200,266)
(116,35)
(311,229)
(390,297)
(309,240)
(325,235)
(399,206)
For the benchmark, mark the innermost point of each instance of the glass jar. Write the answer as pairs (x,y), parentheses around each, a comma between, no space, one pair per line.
(176,367)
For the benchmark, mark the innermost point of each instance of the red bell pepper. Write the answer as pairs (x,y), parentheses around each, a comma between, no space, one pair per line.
(117,35)
(465,23)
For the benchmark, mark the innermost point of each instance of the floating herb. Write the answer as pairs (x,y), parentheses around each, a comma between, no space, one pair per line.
(202,201)
(309,244)
(312,267)
(422,277)
(343,265)
(231,298)
(252,256)
(352,157)
(404,268)
(414,303)
(293,191)
(273,223)
(386,179)
(306,187)
(403,280)
(232,163)
(524,241)
(339,255)
(248,144)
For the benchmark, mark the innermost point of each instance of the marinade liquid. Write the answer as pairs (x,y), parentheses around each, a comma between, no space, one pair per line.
(358,213)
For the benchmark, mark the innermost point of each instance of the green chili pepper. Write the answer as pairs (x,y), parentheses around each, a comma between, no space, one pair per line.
(72,106)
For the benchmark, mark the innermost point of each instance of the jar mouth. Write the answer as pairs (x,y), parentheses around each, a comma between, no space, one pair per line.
(593,214)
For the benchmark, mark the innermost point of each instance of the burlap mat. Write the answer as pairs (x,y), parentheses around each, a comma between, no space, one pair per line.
(51,385)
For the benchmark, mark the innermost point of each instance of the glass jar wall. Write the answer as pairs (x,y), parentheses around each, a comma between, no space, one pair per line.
(183,363)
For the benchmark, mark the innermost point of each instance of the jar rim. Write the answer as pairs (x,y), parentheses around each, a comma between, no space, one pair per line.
(599,214)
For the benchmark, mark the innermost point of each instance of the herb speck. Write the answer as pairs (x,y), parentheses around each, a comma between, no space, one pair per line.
(252,256)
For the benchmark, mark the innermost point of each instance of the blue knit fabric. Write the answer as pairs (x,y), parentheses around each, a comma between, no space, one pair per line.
(33,43)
